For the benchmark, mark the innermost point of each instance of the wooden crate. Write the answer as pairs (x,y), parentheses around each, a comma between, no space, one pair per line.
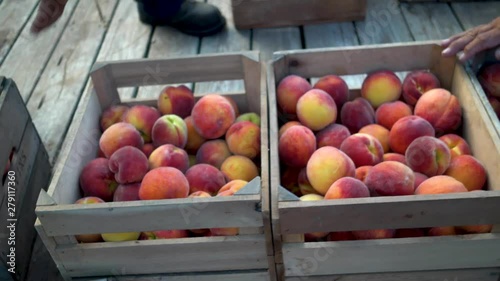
(472,69)
(261,13)
(29,173)
(59,220)
(391,259)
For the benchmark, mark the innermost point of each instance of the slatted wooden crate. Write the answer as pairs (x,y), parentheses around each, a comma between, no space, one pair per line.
(246,256)
(425,258)
(29,172)
(263,13)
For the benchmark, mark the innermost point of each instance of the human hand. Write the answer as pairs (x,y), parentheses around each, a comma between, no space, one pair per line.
(474,40)
(49,11)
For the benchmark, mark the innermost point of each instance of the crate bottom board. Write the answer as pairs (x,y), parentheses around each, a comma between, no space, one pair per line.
(212,276)
(392,255)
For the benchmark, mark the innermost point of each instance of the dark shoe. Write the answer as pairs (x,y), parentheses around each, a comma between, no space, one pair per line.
(193,18)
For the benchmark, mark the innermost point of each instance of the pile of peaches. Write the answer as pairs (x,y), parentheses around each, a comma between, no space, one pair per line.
(181,148)
(489,78)
(397,138)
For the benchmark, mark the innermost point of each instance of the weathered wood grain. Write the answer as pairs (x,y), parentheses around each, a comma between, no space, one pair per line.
(270,40)
(475,13)
(126,38)
(55,97)
(13,17)
(229,40)
(30,53)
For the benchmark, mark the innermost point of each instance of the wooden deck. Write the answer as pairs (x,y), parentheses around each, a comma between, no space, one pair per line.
(51,70)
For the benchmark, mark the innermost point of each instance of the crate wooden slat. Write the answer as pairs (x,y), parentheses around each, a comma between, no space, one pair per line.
(260,13)
(292,218)
(60,219)
(31,169)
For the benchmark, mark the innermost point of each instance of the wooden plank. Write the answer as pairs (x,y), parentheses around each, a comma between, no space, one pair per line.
(385,255)
(192,213)
(156,256)
(476,13)
(228,40)
(13,17)
(167,43)
(257,14)
(384,23)
(42,267)
(50,246)
(29,54)
(234,276)
(270,40)
(488,274)
(126,38)
(430,21)
(59,89)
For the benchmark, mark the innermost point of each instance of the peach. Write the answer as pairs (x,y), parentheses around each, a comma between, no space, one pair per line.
(380,87)
(129,165)
(336,87)
(170,129)
(456,144)
(212,116)
(390,178)
(439,185)
(428,155)
(119,135)
(409,233)
(143,118)
(296,146)
(234,105)
(213,152)
(288,93)
(363,149)
(417,83)
(164,183)
(163,234)
(192,160)
(169,155)
(347,188)
(389,113)
(305,186)
(441,231)
(89,238)
(495,104)
(243,138)
(112,115)
(472,229)
(120,236)
(239,167)
(147,149)
(332,135)
(127,192)
(340,236)
(176,100)
(316,109)
(406,130)
(441,109)
(289,180)
(199,194)
(356,114)
(249,116)
(394,157)
(286,126)
(204,177)
(313,236)
(232,187)
(489,78)
(326,165)
(469,171)
(380,133)
(194,140)
(374,234)
(97,180)
(419,178)
(362,172)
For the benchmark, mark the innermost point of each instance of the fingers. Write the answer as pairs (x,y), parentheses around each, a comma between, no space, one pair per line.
(457,42)
(48,12)
(483,41)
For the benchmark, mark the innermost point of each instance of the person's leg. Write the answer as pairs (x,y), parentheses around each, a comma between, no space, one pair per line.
(191,17)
